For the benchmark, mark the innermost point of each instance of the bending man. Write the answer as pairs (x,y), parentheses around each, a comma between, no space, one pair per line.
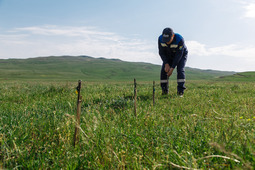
(173,53)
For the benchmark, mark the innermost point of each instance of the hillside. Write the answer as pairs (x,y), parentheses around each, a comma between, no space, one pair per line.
(90,69)
(245,77)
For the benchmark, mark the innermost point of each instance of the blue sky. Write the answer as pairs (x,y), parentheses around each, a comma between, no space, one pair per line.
(219,34)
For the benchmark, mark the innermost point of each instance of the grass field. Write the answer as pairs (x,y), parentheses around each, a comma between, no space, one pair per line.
(212,127)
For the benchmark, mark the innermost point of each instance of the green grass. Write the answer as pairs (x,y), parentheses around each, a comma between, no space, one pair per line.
(67,68)
(214,119)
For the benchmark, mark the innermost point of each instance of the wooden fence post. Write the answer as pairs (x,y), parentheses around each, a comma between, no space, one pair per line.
(153,93)
(78,116)
(135,96)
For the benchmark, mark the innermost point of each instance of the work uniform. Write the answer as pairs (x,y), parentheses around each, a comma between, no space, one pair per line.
(175,54)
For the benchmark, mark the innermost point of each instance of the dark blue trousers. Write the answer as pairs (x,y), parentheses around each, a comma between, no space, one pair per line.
(180,75)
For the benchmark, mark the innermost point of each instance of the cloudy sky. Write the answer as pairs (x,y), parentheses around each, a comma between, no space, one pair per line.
(219,34)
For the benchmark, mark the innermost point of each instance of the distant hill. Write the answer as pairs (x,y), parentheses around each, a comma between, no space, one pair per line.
(86,68)
(245,77)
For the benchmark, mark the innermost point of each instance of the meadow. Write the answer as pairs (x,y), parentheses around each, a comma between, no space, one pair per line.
(211,127)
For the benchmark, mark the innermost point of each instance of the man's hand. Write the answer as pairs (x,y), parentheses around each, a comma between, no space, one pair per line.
(167,68)
(170,72)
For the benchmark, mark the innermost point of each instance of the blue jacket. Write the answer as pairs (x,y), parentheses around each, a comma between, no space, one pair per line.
(172,52)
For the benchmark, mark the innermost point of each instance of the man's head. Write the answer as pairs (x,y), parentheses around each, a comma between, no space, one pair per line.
(167,35)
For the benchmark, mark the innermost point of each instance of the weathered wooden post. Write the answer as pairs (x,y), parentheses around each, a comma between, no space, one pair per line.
(78,116)
(135,96)
(153,93)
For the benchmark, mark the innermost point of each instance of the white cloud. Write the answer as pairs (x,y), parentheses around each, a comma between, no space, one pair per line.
(229,57)
(250,10)
(81,32)
(55,40)
(196,48)
(233,50)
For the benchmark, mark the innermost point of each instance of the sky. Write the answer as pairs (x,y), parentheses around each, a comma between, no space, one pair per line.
(219,34)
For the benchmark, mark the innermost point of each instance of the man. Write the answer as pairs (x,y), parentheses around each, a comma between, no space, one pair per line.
(173,52)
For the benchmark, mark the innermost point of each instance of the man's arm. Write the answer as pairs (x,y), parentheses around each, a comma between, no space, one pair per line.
(162,52)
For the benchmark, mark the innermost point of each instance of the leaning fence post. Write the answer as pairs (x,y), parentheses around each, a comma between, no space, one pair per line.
(135,96)
(153,93)
(78,116)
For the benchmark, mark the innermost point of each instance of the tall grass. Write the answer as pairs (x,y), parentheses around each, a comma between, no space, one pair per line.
(211,127)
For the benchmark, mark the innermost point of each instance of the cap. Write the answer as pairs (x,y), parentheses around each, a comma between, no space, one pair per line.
(167,34)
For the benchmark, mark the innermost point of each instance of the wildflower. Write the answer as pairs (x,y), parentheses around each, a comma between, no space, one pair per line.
(248,119)
(241,117)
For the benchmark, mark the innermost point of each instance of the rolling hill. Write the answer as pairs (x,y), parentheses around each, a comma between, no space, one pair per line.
(244,77)
(69,68)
